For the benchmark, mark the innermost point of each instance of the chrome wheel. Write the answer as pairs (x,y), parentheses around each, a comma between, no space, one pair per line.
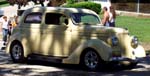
(91,60)
(16,52)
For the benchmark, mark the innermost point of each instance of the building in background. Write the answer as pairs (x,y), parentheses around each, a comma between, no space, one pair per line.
(104,3)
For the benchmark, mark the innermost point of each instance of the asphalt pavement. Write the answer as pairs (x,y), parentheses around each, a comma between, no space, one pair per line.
(2,47)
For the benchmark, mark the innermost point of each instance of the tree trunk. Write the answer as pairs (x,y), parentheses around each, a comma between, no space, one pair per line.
(57,2)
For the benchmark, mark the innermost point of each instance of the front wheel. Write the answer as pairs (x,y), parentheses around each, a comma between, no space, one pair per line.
(17,53)
(132,65)
(91,60)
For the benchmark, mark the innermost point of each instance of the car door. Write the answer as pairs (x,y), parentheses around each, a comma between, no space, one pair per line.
(30,30)
(56,36)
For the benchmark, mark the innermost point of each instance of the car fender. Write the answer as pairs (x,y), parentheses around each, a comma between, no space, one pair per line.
(23,41)
(103,49)
(131,52)
(139,52)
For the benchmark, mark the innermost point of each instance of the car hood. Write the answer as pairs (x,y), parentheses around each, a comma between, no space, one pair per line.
(91,29)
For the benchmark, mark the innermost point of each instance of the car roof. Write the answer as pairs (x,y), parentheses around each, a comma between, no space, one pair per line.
(60,9)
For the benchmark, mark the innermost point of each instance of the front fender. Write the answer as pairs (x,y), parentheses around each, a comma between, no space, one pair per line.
(139,52)
(130,51)
(99,46)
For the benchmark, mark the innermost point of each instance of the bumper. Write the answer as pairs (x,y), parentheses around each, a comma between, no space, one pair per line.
(137,55)
(125,61)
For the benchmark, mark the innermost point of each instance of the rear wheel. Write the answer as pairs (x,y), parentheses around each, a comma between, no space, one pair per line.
(17,53)
(91,60)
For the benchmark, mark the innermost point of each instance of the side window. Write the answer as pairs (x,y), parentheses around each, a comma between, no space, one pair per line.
(33,18)
(56,19)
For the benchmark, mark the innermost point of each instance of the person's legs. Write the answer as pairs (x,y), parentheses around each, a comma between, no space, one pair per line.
(5,32)
(112,24)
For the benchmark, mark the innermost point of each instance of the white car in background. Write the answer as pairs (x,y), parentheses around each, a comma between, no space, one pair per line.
(104,3)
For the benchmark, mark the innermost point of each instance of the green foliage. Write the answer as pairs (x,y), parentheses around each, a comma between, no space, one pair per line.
(70,1)
(130,1)
(3,3)
(88,5)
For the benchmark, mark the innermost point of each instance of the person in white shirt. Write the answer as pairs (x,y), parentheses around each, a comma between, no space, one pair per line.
(112,17)
(5,28)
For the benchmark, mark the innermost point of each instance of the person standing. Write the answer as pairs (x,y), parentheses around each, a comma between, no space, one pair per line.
(13,23)
(49,3)
(105,20)
(112,17)
(5,28)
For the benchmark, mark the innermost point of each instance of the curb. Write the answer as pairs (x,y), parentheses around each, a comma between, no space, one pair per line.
(135,14)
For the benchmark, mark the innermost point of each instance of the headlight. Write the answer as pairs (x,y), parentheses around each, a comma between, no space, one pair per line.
(134,42)
(113,41)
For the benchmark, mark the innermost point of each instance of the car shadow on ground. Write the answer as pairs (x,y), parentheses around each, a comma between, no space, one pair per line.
(5,59)
(106,68)
(65,69)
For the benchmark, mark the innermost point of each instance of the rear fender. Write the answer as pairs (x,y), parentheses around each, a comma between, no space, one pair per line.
(22,41)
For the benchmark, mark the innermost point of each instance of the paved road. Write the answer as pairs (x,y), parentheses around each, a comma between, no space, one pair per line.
(40,68)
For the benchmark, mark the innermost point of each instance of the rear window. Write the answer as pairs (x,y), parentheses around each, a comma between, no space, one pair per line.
(33,18)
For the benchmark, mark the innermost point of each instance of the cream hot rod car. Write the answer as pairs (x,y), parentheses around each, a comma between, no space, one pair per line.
(71,36)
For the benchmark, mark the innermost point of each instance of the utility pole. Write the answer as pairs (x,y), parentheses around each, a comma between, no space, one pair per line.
(138,6)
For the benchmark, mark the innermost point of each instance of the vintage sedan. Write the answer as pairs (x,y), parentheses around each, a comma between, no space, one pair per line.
(71,36)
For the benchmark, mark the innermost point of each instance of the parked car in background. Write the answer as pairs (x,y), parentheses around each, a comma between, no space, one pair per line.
(71,36)
(103,3)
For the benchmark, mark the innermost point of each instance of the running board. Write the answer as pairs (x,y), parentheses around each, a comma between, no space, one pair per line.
(46,58)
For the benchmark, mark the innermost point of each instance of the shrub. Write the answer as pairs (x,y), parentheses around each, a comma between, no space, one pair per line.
(88,5)
(3,2)
(70,1)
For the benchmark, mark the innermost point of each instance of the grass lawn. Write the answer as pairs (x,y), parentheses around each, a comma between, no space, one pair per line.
(136,25)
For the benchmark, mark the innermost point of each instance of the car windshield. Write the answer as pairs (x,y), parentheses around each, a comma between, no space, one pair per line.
(84,18)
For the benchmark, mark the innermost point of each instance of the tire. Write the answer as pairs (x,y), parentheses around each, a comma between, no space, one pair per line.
(91,60)
(17,53)
(133,65)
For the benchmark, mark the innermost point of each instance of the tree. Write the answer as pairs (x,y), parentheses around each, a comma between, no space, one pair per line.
(19,2)
(57,2)
(40,1)
(24,2)
(70,1)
